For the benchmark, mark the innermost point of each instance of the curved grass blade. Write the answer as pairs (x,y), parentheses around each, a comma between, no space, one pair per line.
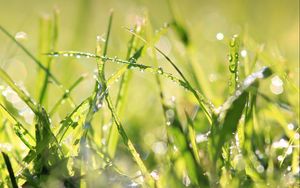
(19,129)
(10,170)
(6,78)
(226,121)
(204,103)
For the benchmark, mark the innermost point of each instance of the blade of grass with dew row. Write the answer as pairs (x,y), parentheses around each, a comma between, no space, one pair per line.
(234,64)
(113,136)
(226,121)
(206,104)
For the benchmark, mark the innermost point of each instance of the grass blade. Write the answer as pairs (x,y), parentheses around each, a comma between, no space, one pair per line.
(226,121)
(6,78)
(10,170)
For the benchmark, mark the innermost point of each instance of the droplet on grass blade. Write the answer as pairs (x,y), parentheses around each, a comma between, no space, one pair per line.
(282,143)
(260,169)
(154,174)
(244,53)
(201,138)
(291,126)
(21,36)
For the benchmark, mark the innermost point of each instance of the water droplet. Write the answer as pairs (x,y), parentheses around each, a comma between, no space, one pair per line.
(173,98)
(232,43)
(21,36)
(236,55)
(232,68)
(260,169)
(212,77)
(154,174)
(244,53)
(219,36)
(280,158)
(297,136)
(276,81)
(291,126)
(6,146)
(230,58)
(201,138)
(282,143)
(100,38)
(160,70)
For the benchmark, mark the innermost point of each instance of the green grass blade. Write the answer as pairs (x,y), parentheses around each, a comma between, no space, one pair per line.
(19,129)
(10,170)
(6,78)
(225,123)
(204,103)
(113,135)
(48,41)
(234,64)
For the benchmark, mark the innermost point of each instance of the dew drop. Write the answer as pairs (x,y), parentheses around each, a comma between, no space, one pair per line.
(160,70)
(219,36)
(244,53)
(291,126)
(230,58)
(260,169)
(21,36)
(232,68)
(201,138)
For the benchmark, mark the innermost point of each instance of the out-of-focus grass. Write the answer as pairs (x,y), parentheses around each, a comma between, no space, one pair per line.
(177,97)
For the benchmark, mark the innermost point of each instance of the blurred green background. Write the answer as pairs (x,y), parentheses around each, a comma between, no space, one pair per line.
(274,23)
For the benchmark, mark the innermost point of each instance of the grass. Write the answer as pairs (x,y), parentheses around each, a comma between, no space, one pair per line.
(251,140)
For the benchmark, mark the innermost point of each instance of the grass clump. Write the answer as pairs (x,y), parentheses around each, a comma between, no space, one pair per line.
(227,146)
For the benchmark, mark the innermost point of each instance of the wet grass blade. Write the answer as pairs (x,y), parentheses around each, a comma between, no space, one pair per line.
(113,135)
(10,170)
(234,64)
(204,103)
(226,122)
(19,129)
(6,78)
(180,140)
(75,118)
